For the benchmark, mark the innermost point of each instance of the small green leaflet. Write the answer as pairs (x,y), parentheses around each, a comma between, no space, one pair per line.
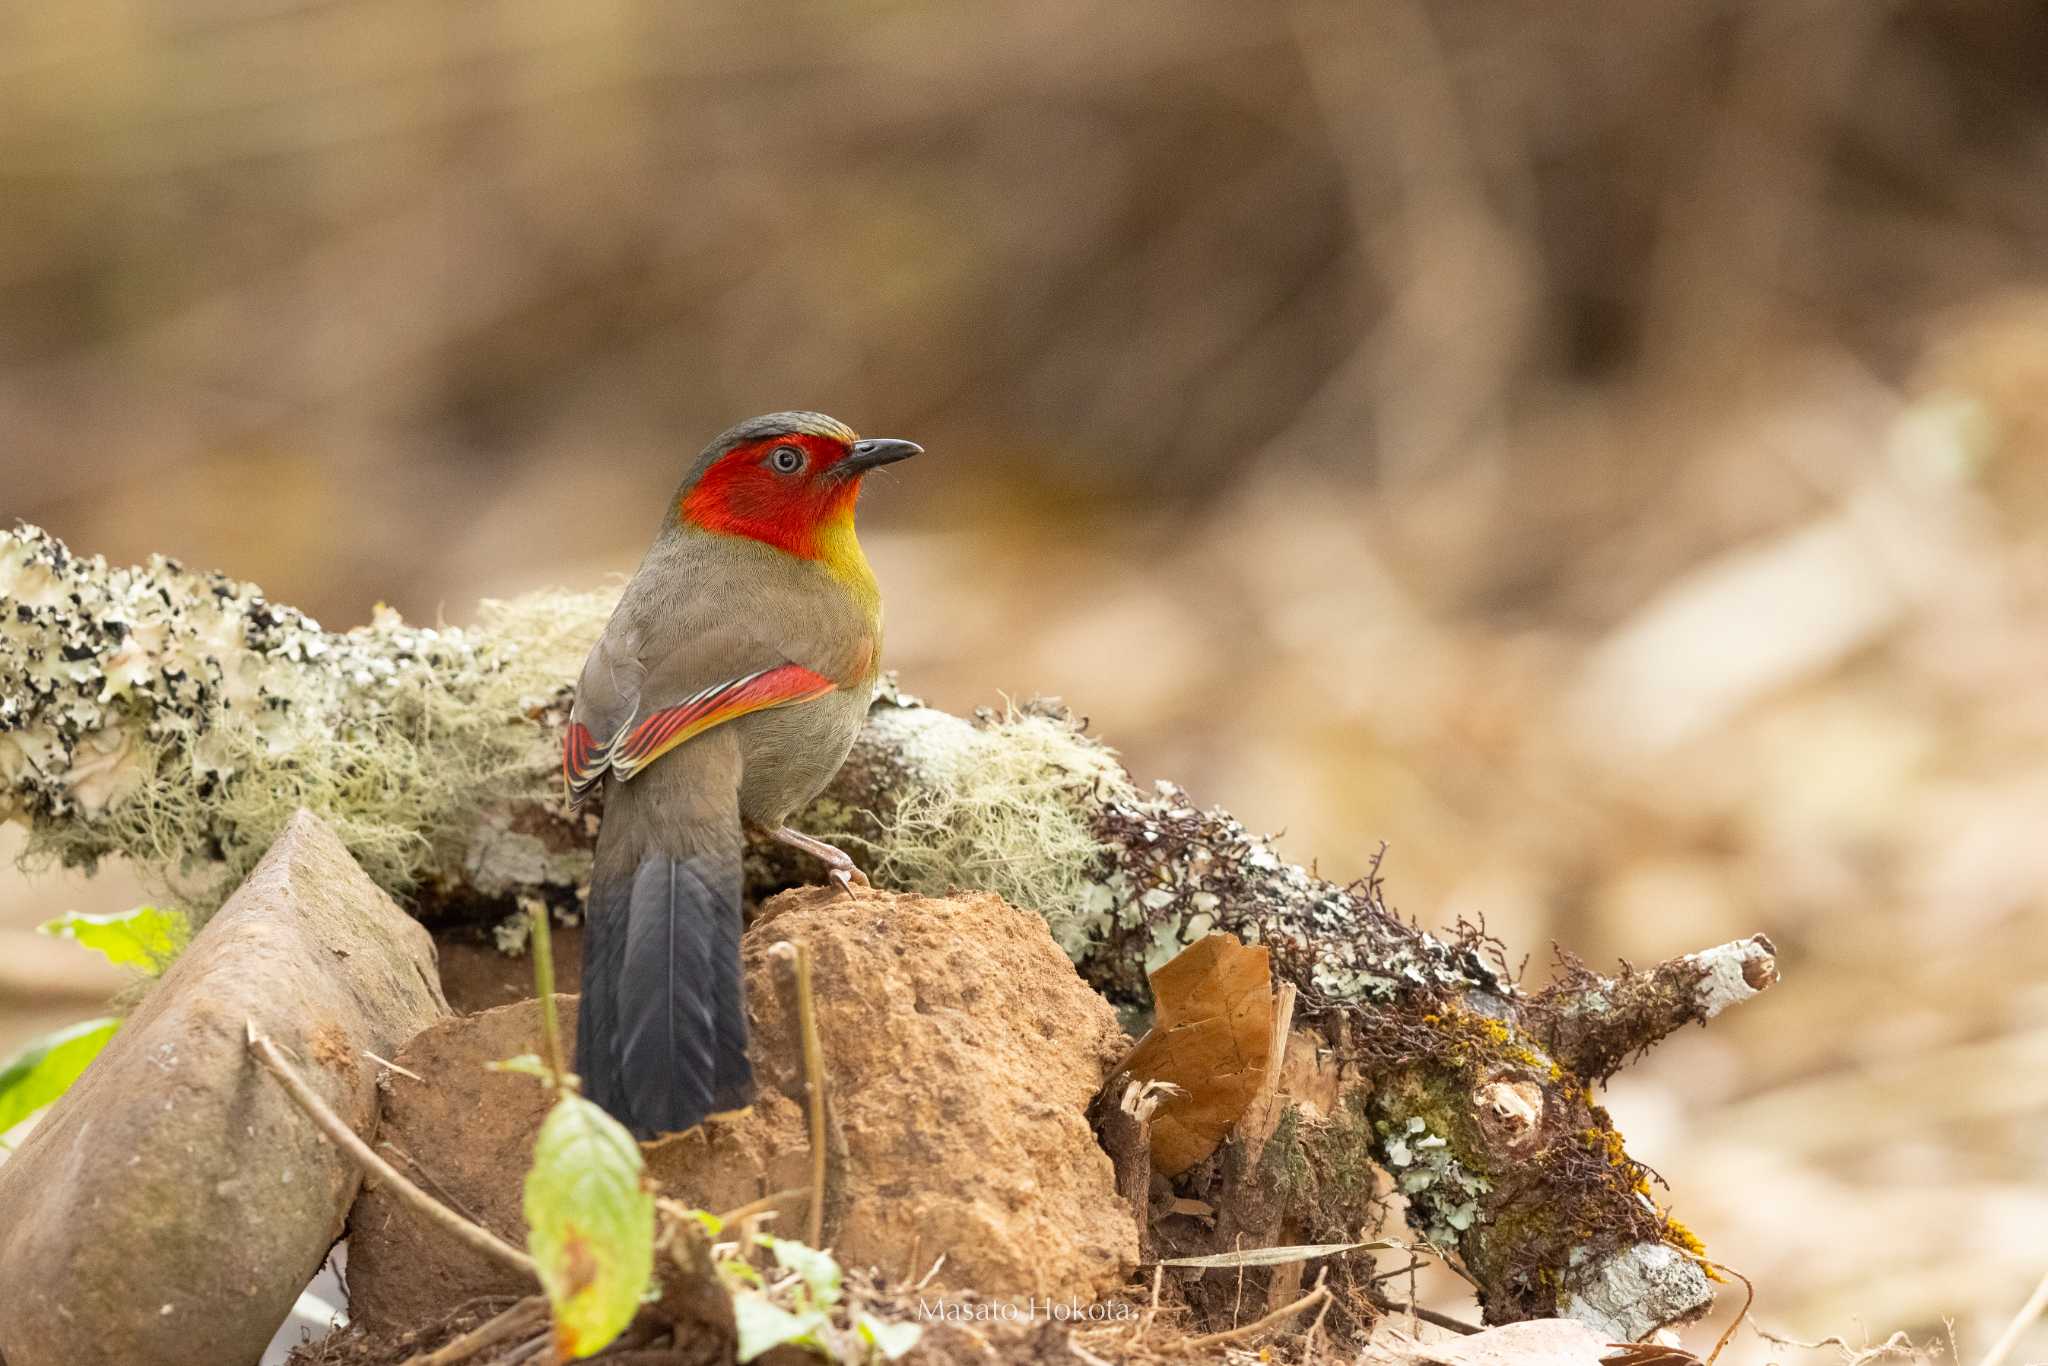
(39,1073)
(147,938)
(590,1224)
(763,1325)
(804,1319)
(892,1340)
(818,1271)
(733,1269)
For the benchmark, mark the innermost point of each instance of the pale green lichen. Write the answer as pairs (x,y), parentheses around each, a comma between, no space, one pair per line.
(1440,1189)
(1172,872)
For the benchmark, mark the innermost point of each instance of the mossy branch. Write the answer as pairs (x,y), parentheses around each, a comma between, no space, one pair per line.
(178,719)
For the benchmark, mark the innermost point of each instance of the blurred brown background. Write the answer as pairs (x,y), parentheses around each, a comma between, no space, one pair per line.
(1599,449)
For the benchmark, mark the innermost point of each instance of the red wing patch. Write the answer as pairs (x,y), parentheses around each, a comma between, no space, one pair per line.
(640,743)
(583,762)
(659,732)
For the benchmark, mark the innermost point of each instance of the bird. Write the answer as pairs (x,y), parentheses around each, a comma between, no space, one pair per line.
(724,692)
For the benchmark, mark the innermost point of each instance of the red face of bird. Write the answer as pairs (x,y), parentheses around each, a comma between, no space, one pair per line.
(789,480)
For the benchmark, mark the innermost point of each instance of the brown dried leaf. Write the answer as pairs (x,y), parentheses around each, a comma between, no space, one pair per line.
(1533,1342)
(1214,1031)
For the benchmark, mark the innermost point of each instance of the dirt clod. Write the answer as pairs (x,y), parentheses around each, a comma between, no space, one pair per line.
(465,1134)
(961,1050)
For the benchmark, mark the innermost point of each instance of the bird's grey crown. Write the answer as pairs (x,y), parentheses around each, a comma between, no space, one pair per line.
(762,427)
(784,424)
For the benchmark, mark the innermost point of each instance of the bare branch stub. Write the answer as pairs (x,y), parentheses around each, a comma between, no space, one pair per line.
(1594,1024)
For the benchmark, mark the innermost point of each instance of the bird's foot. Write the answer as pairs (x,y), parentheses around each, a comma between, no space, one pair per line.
(841,868)
(849,878)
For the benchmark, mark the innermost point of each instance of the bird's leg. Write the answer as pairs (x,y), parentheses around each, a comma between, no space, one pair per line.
(836,862)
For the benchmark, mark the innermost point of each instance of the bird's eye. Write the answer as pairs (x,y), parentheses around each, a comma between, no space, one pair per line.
(785,460)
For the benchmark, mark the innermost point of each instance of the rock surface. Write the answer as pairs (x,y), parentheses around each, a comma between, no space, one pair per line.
(170,1208)
(961,1050)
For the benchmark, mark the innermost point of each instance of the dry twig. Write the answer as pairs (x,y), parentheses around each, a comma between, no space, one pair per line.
(1749,1298)
(1415,1310)
(481,1239)
(433,1183)
(1126,1133)
(1264,1322)
(1898,1344)
(391,1066)
(523,1316)
(544,989)
(770,1201)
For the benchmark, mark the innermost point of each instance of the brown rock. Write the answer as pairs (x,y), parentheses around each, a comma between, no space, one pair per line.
(961,1051)
(172,1205)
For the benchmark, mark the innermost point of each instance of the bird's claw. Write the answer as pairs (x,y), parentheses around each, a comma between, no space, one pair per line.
(838,866)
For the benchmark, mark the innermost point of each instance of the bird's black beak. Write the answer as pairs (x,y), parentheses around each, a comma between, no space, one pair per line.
(876,452)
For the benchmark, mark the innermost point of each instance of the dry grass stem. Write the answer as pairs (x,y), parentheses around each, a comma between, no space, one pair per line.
(797,959)
(2029,1313)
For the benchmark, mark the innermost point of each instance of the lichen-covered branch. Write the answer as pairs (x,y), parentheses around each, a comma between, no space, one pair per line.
(1593,1024)
(178,719)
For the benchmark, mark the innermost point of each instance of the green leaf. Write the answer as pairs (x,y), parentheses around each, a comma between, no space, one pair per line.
(763,1325)
(733,1269)
(147,937)
(820,1273)
(39,1073)
(892,1340)
(590,1224)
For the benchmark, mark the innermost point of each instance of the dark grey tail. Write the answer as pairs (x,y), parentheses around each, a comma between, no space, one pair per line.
(661,1032)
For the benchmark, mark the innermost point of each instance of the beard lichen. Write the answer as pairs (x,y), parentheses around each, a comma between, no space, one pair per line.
(178,719)
(1000,805)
